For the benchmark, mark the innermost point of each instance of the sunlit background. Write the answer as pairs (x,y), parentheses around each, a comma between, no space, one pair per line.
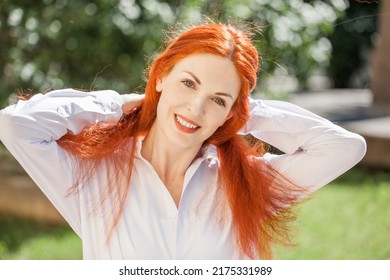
(106,43)
(318,54)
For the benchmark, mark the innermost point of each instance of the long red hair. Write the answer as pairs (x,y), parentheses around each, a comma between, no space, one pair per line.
(257,195)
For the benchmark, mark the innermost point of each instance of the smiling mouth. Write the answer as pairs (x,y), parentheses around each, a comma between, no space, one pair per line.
(186,124)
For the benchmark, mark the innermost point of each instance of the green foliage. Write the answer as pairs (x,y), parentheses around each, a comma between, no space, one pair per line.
(295,35)
(352,41)
(107,43)
(81,44)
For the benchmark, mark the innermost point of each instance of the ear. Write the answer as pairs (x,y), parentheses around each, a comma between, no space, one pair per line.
(159,85)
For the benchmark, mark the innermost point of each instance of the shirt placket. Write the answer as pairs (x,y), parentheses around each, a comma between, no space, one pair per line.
(168,210)
(180,211)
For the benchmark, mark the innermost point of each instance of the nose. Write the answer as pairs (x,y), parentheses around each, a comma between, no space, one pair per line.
(197,106)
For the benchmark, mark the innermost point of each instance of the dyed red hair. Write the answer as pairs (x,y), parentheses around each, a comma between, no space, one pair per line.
(257,195)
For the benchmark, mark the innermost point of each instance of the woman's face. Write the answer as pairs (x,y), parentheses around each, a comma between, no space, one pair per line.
(196,98)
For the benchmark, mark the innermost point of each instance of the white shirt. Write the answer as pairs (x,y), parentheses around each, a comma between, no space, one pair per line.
(151,226)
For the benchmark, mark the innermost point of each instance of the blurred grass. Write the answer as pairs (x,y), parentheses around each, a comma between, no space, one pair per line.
(26,239)
(348,219)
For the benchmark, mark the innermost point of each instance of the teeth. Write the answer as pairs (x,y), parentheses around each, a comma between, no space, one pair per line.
(184,123)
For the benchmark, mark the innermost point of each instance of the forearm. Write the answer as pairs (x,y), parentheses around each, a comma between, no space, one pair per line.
(29,129)
(316,150)
(48,117)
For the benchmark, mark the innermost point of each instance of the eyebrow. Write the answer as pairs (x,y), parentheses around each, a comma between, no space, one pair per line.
(199,83)
(193,76)
(224,94)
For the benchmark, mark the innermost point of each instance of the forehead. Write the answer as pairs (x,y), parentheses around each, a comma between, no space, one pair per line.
(211,70)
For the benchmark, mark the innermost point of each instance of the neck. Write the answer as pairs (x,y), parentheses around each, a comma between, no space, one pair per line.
(169,160)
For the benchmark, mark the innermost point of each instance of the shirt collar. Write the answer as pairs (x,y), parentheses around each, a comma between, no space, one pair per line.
(208,152)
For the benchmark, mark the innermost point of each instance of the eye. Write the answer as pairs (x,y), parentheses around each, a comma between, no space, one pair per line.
(188,83)
(219,101)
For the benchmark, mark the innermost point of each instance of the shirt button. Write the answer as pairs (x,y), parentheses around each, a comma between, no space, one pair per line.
(173,214)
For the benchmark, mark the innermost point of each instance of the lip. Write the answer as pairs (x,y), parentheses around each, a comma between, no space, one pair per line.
(184,128)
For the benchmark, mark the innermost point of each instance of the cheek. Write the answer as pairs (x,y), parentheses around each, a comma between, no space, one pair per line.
(162,106)
(219,118)
(171,95)
(167,104)
(226,117)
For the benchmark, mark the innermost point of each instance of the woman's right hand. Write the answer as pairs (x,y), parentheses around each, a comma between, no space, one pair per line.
(131,101)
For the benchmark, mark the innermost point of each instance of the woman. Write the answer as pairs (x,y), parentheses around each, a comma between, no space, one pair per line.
(168,175)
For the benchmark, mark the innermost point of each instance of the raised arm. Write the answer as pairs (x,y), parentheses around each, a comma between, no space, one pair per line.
(29,129)
(316,151)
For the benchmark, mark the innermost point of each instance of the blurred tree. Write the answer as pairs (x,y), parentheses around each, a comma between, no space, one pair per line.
(82,44)
(380,83)
(351,45)
(106,43)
